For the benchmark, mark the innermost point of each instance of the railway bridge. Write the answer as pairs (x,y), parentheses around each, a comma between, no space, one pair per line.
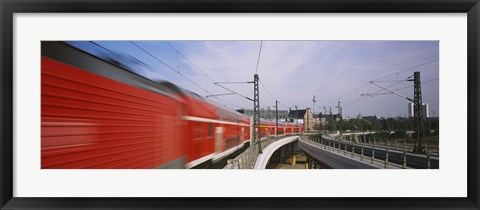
(331,151)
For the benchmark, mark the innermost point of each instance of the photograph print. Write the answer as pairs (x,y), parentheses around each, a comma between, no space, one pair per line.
(235,104)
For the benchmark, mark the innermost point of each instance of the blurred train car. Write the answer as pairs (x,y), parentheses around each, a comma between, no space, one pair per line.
(98,114)
(215,131)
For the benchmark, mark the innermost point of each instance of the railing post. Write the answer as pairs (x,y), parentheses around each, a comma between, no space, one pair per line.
(345,149)
(428,160)
(386,158)
(361,157)
(404,165)
(353,149)
(373,153)
(426,147)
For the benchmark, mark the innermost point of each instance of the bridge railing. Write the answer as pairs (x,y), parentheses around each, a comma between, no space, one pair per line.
(391,143)
(388,156)
(248,158)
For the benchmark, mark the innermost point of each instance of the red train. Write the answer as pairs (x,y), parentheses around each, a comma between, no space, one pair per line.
(96,114)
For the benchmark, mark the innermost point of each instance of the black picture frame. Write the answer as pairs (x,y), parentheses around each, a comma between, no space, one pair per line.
(10,7)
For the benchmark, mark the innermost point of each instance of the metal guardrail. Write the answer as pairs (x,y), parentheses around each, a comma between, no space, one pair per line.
(391,143)
(330,159)
(372,153)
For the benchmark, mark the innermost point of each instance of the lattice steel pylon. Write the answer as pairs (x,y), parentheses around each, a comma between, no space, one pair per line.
(256,113)
(418,114)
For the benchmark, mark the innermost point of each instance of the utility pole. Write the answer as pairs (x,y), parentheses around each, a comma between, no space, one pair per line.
(276,118)
(268,108)
(296,114)
(341,118)
(256,113)
(418,113)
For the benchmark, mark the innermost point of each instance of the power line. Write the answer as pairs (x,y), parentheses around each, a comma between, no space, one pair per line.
(259,53)
(329,102)
(371,96)
(214,82)
(408,69)
(131,57)
(358,99)
(272,94)
(232,82)
(413,85)
(141,48)
(378,81)
(103,47)
(392,92)
(267,90)
(188,60)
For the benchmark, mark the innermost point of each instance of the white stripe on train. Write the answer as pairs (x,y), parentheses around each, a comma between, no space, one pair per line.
(199,119)
(199,160)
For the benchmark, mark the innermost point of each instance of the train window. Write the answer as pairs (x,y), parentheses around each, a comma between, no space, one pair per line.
(198,130)
(210,130)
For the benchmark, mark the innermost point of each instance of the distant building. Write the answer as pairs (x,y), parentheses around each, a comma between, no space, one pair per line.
(296,116)
(282,114)
(323,119)
(411,110)
(308,119)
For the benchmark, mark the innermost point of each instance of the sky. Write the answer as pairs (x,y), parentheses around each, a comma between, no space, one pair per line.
(292,72)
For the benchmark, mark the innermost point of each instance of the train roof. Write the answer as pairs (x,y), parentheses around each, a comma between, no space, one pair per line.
(71,55)
(223,113)
(230,115)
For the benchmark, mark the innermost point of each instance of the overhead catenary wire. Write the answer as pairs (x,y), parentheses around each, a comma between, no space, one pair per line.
(114,53)
(189,61)
(267,90)
(182,75)
(272,95)
(395,73)
(98,45)
(216,83)
(358,99)
(428,81)
(378,92)
(203,72)
(168,66)
(408,69)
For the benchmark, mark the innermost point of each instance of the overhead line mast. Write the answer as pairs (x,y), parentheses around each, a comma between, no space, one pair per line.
(256,113)
(418,113)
